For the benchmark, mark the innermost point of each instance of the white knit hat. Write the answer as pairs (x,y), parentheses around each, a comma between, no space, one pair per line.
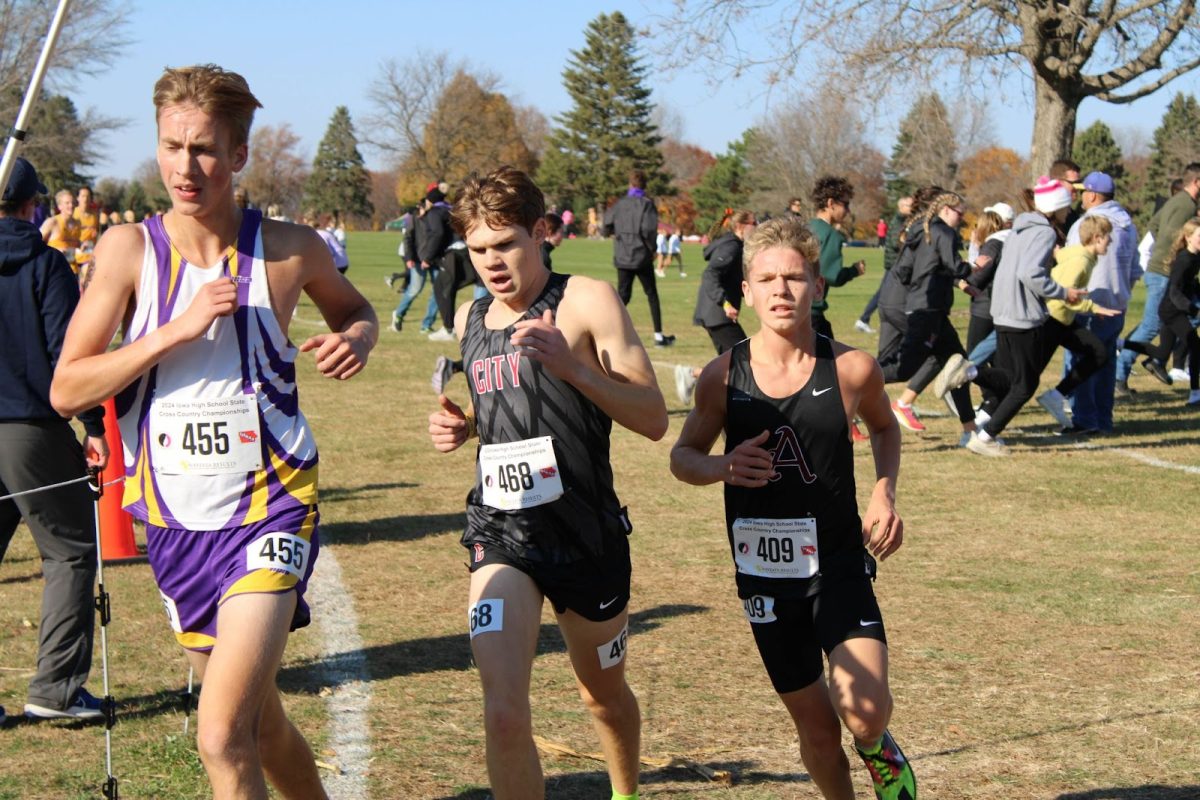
(1049,195)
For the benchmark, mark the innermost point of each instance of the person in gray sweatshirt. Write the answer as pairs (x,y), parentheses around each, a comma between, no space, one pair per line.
(1111,284)
(1019,291)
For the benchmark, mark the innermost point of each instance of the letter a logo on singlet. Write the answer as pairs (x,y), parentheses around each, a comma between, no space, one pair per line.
(787,454)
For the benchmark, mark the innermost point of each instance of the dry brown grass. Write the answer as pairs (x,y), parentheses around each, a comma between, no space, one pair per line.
(1042,613)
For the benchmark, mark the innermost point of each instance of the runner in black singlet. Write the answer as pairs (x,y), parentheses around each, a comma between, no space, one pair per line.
(551,361)
(804,559)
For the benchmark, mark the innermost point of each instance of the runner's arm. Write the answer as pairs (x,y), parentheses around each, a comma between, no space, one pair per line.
(691,460)
(624,386)
(883,529)
(354,327)
(87,373)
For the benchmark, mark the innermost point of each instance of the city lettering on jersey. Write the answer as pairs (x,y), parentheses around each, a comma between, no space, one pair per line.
(495,373)
(788,455)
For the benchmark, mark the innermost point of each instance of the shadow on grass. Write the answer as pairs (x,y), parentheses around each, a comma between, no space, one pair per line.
(1152,792)
(31,576)
(339,493)
(594,783)
(438,653)
(405,528)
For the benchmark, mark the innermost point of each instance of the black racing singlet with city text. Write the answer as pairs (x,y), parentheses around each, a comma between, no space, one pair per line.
(515,399)
(803,527)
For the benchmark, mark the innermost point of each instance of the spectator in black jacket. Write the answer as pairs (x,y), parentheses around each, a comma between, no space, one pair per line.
(424,247)
(633,222)
(719,299)
(891,251)
(930,340)
(38,295)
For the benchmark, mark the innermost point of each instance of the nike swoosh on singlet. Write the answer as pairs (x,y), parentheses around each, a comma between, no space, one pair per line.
(821,392)
(609,603)
(862,623)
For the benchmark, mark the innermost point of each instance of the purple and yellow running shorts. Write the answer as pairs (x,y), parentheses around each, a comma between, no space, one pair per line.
(196,571)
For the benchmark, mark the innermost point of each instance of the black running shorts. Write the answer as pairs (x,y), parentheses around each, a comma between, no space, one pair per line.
(791,633)
(597,590)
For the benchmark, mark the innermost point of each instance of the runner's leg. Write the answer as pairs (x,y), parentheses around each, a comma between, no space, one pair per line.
(612,704)
(505,660)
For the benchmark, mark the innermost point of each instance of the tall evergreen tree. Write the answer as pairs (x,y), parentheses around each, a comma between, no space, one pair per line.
(608,129)
(726,184)
(339,182)
(924,153)
(1176,144)
(1097,151)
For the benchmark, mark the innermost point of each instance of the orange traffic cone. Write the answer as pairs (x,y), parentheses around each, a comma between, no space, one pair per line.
(116,525)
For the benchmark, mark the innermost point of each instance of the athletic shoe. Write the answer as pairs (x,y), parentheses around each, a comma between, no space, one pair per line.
(683,274)
(664,340)
(391,279)
(981,417)
(685,383)
(1056,404)
(443,371)
(425,329)
(1122,391)
(1193,398)
(442,335)
(859,325)
(954,374)
(1156,369)
(992,448)
(890,771)
(397,322)
(966,437)
(907,417)
(856,433)
(1180,375)
(660,273)
(83,706)
(1078,430)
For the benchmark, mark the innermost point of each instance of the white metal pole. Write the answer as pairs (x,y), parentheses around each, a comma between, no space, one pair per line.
(35,89)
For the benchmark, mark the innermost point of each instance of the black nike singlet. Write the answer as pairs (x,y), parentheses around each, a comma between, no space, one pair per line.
(515,399)
(803,526)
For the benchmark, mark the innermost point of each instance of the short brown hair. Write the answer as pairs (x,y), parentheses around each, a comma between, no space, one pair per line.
(786,232)
(1092,228)
(217,92)
(831,187)
(505,196)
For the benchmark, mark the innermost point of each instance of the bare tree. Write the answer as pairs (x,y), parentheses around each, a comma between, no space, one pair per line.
(805,137)
(276,172)
(407,96)
(534,128)
(1114,50)
(61,139)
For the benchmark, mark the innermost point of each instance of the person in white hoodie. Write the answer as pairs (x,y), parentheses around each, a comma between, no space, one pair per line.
(1019,291)
(1111,284)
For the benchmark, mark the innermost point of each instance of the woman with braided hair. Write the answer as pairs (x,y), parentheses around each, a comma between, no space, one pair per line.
(930,267)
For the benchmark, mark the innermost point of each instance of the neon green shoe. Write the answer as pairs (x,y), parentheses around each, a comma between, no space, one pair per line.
(890,771)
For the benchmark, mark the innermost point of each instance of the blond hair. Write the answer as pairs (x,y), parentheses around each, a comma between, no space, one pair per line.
(785,232)
(1092,228)
(219,93)
(1180,242)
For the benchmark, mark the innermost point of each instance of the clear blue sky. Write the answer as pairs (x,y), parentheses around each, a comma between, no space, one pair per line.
(302,59)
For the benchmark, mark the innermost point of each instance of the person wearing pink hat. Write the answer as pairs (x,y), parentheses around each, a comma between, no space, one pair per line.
(1019,291)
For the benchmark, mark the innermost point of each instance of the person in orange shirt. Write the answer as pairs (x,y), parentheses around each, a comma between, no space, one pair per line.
(61,231)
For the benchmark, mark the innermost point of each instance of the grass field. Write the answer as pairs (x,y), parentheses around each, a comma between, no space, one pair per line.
(1042,613)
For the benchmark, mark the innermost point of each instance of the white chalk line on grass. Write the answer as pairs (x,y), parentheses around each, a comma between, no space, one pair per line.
(344,669)
(1142,457)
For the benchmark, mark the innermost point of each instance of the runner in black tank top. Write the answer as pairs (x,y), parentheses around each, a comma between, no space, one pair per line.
(814,463)
(804,558)
(516,399)
(552,362)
